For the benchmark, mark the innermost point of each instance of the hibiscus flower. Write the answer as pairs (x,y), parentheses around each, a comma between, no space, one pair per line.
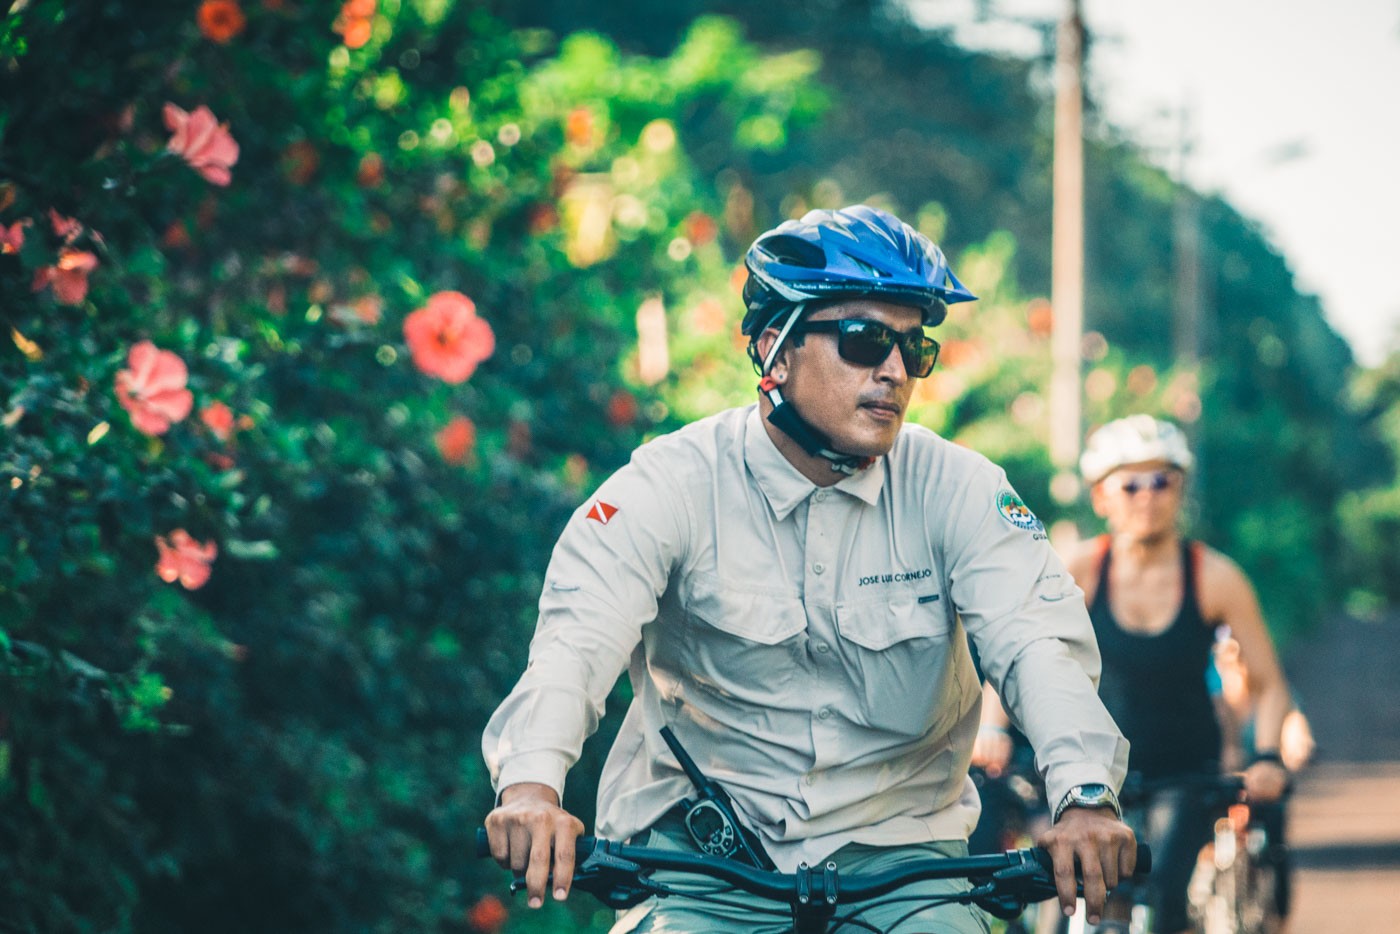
(12,237)
(488,915)
(218,418)
(68,277)
(220,20)
(446,337)
(457,441)
(152,389)
(185,560)
(202,141)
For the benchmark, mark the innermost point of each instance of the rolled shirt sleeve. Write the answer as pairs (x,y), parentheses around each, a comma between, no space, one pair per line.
(608,570)
(1027,618)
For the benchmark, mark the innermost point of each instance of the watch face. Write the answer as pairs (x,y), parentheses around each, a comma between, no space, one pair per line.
(1092,791)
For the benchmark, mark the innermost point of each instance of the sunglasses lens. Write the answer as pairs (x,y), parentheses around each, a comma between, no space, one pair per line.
(920,354)
(865,343)
(1156,482)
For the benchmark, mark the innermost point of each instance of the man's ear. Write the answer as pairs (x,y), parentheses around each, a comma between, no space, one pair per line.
(765,344)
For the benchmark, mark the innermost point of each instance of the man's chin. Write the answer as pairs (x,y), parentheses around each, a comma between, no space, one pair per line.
(867,446)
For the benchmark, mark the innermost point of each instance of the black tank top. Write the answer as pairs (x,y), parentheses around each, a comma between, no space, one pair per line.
(1155,685)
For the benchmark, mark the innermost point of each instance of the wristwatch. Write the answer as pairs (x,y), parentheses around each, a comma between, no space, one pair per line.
(1089,796)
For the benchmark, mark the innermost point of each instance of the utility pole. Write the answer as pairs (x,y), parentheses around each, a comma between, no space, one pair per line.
(1186,240)
(1067,255)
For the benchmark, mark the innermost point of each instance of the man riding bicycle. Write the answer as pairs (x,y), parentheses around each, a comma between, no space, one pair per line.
(791,586)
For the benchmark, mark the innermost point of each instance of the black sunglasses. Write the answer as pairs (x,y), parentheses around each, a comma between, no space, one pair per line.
(867,343)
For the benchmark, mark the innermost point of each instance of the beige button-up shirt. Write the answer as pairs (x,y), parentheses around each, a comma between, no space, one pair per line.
(808,646)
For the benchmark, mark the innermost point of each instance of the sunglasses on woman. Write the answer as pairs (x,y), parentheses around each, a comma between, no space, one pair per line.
(867,343)
(1156,481)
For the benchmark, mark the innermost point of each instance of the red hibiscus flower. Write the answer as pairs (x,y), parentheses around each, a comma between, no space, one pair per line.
(12,237)
(220,20)
(68,277)
(65,228)
(218,418)
(202,141)
(446,337)
(488,915)
(152,389)
(185,560)
(622,408)
(457,442)
(700,228)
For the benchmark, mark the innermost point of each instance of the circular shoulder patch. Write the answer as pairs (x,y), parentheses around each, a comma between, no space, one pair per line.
(1015,512)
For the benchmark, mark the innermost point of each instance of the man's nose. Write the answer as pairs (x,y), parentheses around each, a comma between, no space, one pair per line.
(892,368)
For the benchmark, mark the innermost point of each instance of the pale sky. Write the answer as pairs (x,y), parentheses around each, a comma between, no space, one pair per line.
(1295,112)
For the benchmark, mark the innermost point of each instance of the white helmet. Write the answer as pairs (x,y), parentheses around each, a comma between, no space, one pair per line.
(1133,440)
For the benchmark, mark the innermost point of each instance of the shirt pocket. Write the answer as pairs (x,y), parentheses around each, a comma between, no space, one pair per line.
(765,618)
(739,645)
(881,624)
(904,666)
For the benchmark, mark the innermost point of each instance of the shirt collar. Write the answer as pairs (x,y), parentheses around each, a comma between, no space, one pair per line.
(781,482)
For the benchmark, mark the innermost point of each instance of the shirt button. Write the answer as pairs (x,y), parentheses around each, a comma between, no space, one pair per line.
(823,713)
(823,648)
(807,779)
(820,496)
(819,567)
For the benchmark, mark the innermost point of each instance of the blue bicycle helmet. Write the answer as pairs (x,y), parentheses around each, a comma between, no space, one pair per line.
(855,252)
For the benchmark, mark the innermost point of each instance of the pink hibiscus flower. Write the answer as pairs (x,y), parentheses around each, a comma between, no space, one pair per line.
(12,237)
(185,560)
(68,277)
(152,389)
(202,141)
(446,337)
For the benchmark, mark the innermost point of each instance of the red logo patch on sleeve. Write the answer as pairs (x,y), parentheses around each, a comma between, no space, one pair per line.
(602,512)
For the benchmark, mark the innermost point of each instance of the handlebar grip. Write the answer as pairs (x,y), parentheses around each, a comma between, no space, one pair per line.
(583,846)
(1144,860)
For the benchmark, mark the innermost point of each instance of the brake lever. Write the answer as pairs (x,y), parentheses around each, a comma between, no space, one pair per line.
(614,881)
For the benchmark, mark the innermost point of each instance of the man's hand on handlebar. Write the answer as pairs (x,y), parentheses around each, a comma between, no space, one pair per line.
(1104,849)
(532,835)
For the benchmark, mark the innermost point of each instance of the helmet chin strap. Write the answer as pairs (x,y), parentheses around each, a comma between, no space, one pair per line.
(786,418)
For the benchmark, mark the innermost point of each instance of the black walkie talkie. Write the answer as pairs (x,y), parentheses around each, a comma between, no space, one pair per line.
(711,820)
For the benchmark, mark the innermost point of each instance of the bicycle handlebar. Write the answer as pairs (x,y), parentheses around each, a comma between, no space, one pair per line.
(615,874)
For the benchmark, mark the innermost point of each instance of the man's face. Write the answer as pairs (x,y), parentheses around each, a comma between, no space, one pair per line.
(860,408)
(1140,500)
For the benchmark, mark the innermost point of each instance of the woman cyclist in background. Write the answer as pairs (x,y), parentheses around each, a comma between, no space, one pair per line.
(1156,600)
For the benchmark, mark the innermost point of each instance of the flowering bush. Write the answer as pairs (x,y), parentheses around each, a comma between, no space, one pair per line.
(253,649)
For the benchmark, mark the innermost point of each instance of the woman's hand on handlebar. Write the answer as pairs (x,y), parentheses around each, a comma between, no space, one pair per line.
(1104,849)
(532,835)
(1265,781)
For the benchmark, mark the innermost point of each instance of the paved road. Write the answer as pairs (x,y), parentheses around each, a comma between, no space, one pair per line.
(1345,815)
